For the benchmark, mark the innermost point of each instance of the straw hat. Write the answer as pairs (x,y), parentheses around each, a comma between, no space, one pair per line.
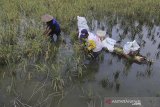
(101,33)
(46,18)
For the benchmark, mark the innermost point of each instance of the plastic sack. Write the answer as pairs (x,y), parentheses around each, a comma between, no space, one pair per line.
(130,47)
(82,24)
(109,43)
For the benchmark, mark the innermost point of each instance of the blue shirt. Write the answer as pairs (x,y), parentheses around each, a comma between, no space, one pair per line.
(54,26)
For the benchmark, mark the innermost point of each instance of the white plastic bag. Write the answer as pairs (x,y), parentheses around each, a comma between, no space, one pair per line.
(82,24)
(130,46)
(109,43)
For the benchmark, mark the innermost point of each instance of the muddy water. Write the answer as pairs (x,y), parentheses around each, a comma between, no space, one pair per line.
(109,75)
(121,77)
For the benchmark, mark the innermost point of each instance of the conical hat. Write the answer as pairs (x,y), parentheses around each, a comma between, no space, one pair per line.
(101,33)
(46,18)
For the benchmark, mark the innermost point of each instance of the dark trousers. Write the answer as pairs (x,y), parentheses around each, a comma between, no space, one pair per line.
(55,36)
(94,55)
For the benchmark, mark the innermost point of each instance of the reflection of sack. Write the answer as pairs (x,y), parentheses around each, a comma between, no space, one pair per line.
(82,24)
(130,47)
(109,43)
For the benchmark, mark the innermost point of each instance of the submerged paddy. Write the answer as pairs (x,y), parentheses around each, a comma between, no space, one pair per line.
(36,73)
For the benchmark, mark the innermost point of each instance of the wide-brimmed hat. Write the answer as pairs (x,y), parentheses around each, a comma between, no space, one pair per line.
(101,33)
(46,18)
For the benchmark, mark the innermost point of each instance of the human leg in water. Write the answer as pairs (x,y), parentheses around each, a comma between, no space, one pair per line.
(93,55)
(55,38)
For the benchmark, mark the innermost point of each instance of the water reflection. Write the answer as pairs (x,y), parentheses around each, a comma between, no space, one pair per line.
(127,67)
(157,55)
(158,46)
(146,73)
(147,35)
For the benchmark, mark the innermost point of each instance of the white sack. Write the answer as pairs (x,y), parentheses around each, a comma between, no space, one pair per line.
(109,43)
(130,46)
(82,24)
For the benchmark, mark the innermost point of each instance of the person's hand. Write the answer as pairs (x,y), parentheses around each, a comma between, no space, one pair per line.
(47,32)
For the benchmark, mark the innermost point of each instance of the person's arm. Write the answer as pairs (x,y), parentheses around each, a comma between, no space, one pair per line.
(47,31)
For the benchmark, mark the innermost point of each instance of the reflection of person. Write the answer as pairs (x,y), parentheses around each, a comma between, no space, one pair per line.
(94,44)
(53,27)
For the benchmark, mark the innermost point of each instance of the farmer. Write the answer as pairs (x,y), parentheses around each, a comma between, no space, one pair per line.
(94,44)
(52,28)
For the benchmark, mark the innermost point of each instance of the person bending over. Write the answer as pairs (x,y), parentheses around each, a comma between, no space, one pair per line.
(93,43)
(52,28)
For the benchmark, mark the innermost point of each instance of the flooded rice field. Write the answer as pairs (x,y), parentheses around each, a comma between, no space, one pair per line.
(108,76)
(115,76)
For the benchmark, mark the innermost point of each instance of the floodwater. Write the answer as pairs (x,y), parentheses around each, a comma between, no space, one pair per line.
(108,76)
(113,76)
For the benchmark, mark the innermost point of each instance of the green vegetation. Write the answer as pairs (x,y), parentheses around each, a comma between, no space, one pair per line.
(22,45)
(20,20)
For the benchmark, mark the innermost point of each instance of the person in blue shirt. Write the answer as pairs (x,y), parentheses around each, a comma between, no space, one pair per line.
(53,27)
